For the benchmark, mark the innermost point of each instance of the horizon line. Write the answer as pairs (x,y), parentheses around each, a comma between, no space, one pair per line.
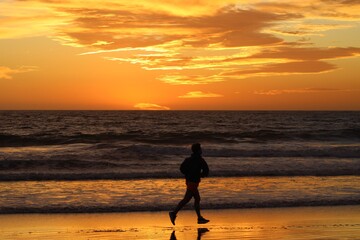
(188,110)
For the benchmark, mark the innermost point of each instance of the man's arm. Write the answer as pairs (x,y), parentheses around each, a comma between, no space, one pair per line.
(184,169)
(205,168)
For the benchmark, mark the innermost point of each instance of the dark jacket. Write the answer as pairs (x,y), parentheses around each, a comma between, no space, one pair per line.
(194,168)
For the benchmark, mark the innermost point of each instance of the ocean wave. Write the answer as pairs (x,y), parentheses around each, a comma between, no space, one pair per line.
(140,151)
(181,137)
(166,207)
(168,174)
(134,161)
(244,150)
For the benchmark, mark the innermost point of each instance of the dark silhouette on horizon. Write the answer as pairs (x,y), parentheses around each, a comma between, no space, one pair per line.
(201,231)
(194,168)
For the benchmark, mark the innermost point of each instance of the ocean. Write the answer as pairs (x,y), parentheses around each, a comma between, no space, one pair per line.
(123,161)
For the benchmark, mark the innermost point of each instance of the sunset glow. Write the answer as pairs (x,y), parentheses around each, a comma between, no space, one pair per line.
(174,55)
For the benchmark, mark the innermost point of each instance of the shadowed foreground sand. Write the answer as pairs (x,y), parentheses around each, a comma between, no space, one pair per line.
(277,223)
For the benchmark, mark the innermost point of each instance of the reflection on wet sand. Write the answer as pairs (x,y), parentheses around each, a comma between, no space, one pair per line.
(306,223)
(201,231)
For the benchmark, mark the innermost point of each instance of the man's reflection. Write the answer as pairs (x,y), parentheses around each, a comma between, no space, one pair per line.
(201,231)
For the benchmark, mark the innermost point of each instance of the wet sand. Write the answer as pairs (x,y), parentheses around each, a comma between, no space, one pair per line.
(341,222)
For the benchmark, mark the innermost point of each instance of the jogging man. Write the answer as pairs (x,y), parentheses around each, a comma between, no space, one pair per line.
(193,167)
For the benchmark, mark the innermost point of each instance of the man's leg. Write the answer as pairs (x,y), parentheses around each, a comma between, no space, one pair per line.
(184,201)
(197,203)
(201,220)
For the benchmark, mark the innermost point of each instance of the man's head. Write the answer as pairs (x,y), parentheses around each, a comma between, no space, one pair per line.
(196,148)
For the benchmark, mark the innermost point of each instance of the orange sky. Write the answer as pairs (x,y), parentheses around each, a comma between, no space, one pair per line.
(180,54)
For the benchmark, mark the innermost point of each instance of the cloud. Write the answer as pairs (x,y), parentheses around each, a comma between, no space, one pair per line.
(244,56)
(6,72)
(229,26)
(20,19)
(256,70)
(192,41)
(247,62)
(190,80)
(301,67)
(348,2)
(200,94)
(347,10)
(304,53)
(304,90)
(150,106)
(302,29)
(293,67)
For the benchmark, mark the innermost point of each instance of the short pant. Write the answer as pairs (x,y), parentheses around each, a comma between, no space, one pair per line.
(192,186)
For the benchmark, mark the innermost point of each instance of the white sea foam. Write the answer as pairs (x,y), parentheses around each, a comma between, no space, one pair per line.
(163,194)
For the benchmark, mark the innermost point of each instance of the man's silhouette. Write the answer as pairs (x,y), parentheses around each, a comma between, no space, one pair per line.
(193,168)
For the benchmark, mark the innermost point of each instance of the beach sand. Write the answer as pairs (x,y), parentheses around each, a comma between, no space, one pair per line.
(341,222)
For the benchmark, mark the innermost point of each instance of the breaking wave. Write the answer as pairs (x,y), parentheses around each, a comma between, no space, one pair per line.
(166,207)
(181,137)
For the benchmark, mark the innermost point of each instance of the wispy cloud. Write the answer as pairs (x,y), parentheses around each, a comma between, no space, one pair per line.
(200,94)
(297,67)
(308,29)
(306,53)
(299,91)
(7,73)
(150,106)
(178,79)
